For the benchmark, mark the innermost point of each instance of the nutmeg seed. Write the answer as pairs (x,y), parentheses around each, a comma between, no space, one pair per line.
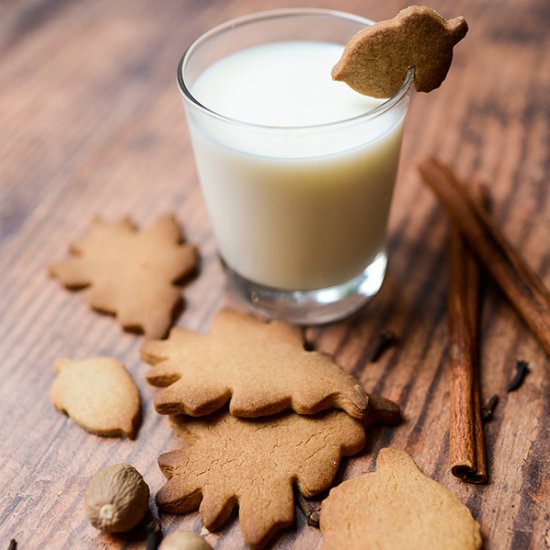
(117,498)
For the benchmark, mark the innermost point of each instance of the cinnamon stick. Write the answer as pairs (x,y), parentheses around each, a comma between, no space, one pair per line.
(467,448)
(504,263)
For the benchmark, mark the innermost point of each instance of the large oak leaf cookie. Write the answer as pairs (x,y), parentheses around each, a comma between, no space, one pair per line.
(259,368)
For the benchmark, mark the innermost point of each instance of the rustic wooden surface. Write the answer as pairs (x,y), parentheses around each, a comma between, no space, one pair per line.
(92,124)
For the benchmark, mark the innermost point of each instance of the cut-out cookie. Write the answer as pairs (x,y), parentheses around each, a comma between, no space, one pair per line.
(253,463)
(396,507)
(259,368)
(376,59)
(184,540)
(98,394)
(130,272)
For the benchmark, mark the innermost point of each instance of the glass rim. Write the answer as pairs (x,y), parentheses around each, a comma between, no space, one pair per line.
(274,14)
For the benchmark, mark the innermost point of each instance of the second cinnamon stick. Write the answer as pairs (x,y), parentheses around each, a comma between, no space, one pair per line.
(505,264)
(467,448)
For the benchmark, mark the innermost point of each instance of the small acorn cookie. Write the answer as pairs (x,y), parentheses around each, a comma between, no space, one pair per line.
(130,273)
(376,59)
(396,507)
(98,394)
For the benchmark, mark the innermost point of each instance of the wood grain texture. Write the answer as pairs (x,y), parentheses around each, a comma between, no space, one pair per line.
(92,124)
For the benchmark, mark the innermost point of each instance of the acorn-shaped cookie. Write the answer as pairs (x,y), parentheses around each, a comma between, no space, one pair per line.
(98,394)
(376,59)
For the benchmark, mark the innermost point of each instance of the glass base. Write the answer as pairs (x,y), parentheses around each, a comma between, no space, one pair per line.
(307,307)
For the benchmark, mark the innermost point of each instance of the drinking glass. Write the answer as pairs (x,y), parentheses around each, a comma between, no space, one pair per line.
(299,213)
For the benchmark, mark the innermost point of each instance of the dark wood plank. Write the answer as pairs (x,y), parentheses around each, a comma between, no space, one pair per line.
(92,124)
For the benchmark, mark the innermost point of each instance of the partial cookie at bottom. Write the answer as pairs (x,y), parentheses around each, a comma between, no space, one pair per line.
(396,507)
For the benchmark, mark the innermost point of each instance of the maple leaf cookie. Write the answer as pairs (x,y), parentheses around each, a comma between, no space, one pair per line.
(129,272)
(253,464)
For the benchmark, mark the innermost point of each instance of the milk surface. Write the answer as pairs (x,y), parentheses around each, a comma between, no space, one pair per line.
(296,202)
(281,84)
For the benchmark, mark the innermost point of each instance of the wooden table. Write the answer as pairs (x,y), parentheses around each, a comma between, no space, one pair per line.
(92,124)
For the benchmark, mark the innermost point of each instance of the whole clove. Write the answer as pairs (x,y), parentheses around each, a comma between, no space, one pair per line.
(154,534)
(386,339)
(310,508)
(522,368)
(382,412)
(488,410)
(12,545)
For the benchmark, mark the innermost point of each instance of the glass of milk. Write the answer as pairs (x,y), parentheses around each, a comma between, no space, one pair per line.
(297,170)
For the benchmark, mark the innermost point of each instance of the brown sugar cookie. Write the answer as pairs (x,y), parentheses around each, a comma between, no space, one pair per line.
(98,394)
(253,463)
(184,540)
(396,507)
(130,273)
(376,59)
(258,368)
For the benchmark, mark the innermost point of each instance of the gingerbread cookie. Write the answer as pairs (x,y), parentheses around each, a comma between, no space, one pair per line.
(253,463)
(98,394)
(184,540)
(258,368)
(130,273)
(396,507)
(376,59)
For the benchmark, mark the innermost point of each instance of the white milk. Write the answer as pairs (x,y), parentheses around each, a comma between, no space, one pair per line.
(293,206)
